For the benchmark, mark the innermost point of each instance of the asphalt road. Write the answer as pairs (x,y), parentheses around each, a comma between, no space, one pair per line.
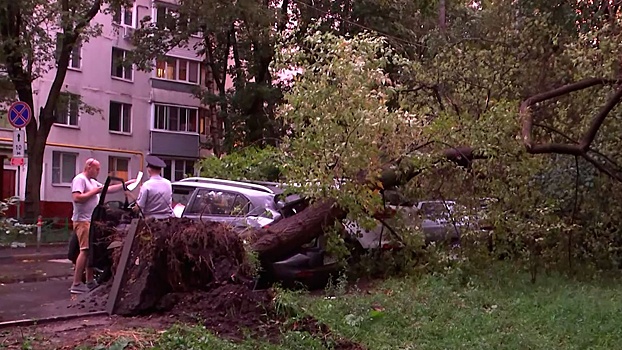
(34,300)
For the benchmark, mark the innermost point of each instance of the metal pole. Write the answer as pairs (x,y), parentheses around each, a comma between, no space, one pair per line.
(39,224)
(19,203)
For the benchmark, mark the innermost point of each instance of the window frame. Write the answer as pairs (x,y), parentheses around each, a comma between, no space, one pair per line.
(171,168)
(124,70)
(76,53)
(161,73)
(59,167)
(168,8)
(122,116)
(167,122)
(122,12)
(113,165)
(70,103)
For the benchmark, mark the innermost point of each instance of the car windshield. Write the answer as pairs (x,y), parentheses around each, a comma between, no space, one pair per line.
(435,209)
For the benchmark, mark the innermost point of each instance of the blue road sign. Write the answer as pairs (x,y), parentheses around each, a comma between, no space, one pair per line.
(20,114)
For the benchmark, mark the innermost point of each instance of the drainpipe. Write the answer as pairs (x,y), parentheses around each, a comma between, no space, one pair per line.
(105,149)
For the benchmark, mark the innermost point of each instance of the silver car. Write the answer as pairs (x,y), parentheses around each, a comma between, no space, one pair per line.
(436,220)
(240,204)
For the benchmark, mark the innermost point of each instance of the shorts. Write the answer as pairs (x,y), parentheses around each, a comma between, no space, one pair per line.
(82,228)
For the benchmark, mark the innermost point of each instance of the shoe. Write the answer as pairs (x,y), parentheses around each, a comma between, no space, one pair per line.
(79,289)
(92,285)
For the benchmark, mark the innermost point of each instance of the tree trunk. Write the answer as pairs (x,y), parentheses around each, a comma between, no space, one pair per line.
(442,19)
(289,234)
(32,201)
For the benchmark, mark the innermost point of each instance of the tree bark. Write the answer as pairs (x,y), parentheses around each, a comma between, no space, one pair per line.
(442,21)
(289,234)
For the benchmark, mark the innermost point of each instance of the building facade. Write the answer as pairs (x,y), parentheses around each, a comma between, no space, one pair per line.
(124,113)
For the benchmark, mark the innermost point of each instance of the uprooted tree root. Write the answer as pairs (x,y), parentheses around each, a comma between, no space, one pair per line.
(199,272)
(180,255)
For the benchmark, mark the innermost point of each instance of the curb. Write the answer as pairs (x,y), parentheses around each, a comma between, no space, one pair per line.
(7,259)
(34,244)
(32,278)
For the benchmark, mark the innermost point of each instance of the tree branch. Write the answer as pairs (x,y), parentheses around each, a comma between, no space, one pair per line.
(582,147)
(598,120)
(70,38)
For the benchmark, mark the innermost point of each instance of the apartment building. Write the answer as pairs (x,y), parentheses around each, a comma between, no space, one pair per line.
(133,113)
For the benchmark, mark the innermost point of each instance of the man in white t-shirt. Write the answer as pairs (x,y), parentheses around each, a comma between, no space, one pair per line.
(85,190)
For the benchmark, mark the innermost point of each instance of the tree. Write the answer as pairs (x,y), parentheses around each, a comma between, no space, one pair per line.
(466,92)
(30,47)
(237,41)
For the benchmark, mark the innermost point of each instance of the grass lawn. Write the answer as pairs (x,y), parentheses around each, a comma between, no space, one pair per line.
(506,312)
(500,311)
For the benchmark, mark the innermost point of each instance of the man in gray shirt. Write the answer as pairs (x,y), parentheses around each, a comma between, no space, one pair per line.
(85,190)
(156,194)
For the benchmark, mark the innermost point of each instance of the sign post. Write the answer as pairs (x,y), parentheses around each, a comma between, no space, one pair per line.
(20,115)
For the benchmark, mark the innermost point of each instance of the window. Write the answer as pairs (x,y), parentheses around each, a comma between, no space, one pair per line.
(67,109)
(178,69)
(119,167)
(172,118)
(165,17)
(63,167)
(177,169)
(120,117)
(75,58)
(205,121)
(123,16)
(120,68)
(214,202)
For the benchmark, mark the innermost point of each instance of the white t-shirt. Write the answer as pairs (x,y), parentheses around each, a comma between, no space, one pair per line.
(82,184)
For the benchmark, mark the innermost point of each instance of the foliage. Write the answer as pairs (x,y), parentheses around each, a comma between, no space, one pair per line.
(357,108)
(340,131)
(249,163)
(10,229)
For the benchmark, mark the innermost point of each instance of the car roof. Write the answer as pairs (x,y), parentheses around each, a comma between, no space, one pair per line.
(250,192)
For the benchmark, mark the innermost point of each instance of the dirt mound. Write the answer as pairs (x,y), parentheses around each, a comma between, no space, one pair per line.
(180,255)
(230,310)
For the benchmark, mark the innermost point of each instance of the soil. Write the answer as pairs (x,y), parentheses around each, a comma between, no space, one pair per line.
(192,272)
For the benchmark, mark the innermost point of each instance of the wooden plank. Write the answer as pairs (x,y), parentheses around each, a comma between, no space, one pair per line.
(113,297)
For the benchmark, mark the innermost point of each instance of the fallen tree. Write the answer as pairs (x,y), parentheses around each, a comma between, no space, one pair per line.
(290,233)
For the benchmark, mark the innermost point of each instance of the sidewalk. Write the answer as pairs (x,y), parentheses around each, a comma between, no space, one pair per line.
(47,252)
(24,271)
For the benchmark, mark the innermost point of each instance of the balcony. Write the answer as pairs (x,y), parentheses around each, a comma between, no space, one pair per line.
(174,144)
